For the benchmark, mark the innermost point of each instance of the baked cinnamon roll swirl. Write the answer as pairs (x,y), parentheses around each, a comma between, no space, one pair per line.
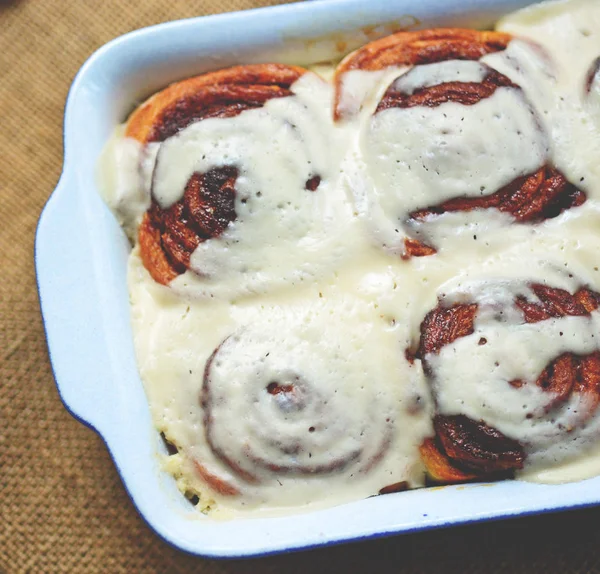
(407,49)
(449,134)
(514,367)
(221,94)
(287,409)
(240,174)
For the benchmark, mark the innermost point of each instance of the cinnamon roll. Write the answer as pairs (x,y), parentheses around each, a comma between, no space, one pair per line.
(240,176)
(514,367)
(450,133)
(300,401)
(554,59)
(403,50)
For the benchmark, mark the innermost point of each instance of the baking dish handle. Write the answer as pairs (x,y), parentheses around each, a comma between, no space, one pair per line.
(77,305)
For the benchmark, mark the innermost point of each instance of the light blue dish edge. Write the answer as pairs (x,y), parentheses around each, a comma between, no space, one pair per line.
(90,342)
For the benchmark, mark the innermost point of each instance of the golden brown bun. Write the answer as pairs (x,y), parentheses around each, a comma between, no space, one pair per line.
(464,449)
(167,237)
(421,47)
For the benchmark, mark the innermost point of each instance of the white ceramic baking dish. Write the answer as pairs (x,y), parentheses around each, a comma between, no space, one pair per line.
(81,267)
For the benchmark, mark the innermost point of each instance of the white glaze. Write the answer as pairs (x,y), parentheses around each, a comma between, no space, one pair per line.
(362,90)
(413,158)
(339,336)
(283,232)
(428,75)
(123,181)
(473,378)
(554,78)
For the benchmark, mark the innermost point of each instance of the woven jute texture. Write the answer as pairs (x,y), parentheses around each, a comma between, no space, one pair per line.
(63,507)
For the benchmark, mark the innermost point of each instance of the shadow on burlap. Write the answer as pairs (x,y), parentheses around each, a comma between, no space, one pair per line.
(62,505)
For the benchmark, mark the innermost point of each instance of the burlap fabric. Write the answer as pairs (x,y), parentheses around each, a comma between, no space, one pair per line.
(62,505)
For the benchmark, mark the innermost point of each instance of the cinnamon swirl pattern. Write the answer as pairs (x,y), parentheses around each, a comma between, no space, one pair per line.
(242,173)
(290,404)
(405,49)
(450,134)
(295,415)
(515,371)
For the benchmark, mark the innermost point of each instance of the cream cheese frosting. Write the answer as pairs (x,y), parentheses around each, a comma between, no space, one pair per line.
(420,156)
(337,343)
(473,374)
